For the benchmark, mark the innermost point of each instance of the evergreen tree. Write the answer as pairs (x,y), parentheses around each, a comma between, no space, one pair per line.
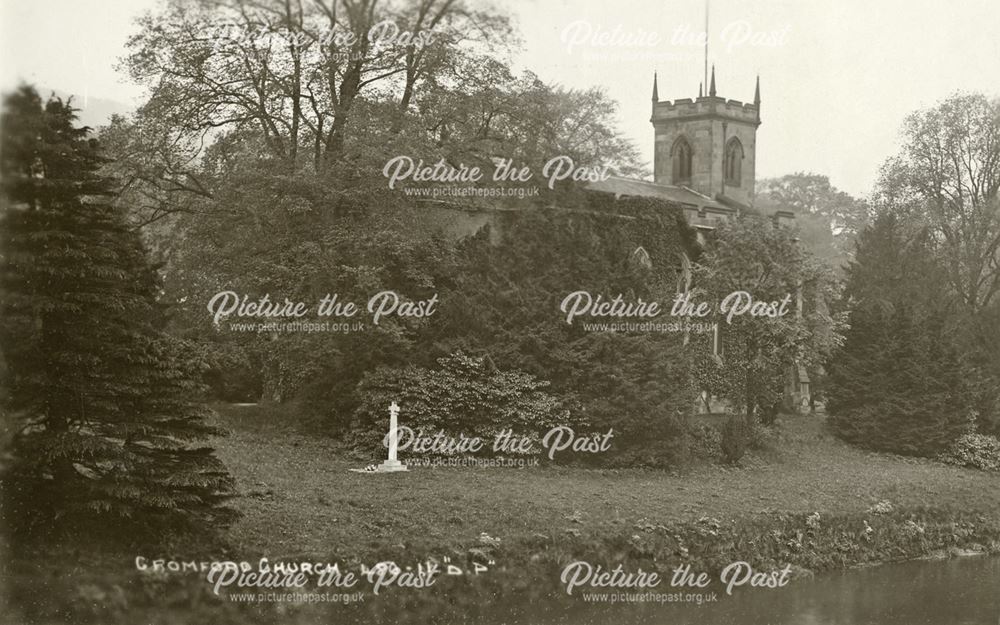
(102,399)
(897,383)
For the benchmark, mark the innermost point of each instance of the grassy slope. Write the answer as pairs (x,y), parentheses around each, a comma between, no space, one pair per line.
(298,497)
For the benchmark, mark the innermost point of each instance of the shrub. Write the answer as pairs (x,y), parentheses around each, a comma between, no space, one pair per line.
(760,436)
(464,396)
(705,441)
(657,438)
(977,451)
(769,412)
(735,438)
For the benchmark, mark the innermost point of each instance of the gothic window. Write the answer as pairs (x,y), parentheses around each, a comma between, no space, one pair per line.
(733,163)
(680,156)
(640,257)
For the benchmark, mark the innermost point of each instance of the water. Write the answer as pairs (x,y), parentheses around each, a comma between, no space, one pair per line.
(958,591)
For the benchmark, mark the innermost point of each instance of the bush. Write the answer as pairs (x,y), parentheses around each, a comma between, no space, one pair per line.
(977,451)
(769,412)
(465,396)
(760,436)
(705,441)
(735,438)
(657,439)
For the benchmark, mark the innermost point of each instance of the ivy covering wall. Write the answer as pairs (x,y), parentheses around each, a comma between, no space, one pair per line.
(502,302)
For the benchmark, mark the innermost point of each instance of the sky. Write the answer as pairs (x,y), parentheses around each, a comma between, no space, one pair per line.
(837,76)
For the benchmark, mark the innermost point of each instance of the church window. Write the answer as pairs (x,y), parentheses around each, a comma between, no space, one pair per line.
(733,163)
(681,155)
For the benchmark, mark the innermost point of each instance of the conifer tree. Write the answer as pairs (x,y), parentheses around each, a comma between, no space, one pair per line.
(104,403)
(897,384)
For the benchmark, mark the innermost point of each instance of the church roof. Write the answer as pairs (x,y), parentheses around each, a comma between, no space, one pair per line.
(633,186)
(701,211)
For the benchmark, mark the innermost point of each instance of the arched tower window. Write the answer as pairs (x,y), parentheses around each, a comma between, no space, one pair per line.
(733,163)
(680,156)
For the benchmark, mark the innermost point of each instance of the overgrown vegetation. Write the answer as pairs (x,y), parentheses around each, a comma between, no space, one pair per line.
(747,363)
(505,302)
(462,397)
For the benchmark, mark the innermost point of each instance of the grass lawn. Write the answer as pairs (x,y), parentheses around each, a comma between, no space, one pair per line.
(298,497)
(300,502)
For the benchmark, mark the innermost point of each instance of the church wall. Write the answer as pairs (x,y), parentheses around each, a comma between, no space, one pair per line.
(699,134)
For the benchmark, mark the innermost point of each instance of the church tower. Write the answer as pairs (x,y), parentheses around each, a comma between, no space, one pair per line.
(707,144)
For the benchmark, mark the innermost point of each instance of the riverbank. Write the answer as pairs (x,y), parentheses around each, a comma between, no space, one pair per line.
(810,501)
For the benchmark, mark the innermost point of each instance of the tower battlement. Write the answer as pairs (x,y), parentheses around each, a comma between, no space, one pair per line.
(707,144)
(706,106)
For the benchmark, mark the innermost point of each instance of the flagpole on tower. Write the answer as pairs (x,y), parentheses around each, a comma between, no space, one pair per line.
(706,43)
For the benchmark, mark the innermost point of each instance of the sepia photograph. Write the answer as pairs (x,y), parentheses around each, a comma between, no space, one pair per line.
(499,312)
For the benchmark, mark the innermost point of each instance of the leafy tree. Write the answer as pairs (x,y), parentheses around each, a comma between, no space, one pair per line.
(103,400)
(278,83)
(299,73)
(293,237)
(295,182)
(749,363)
(947,177)
(828,219)
(898,383)
(485,111)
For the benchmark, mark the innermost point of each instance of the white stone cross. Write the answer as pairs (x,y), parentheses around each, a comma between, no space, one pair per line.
(392,463)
